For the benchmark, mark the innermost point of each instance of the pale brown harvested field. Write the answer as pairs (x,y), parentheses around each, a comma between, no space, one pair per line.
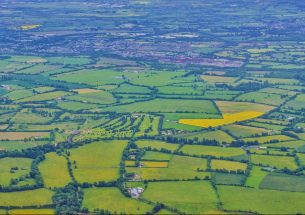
(86,90)
(22,135)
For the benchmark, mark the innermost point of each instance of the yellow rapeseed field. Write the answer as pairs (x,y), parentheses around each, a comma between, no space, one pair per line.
(29,27)
(227,119)
(155,164)
(130,163)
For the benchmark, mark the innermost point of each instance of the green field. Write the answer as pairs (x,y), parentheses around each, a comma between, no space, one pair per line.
(188,197)
(179,167)
(244,131)
(156,145)
(289,144)
(167,106)
(256,176)
(54,170)
(212,151)
(19,145)
(90,168)
(219,136)
(156,156)
(95,97)
(13,168)
(37,197)
(76,106)
(279,162)
(108,198)
(187,163)
(297,103)
(92,77)
(283,182)
(228,165)
(261,201)
(228,179)
(230,107)
(263,98)
(268,139)
(44,96)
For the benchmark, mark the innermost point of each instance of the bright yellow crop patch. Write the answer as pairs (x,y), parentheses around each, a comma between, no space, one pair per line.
(227,119)
(29,27)
(154,164)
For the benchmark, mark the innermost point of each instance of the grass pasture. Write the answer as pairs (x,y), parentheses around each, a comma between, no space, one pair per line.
(44,96)
(76,106)
(191,197)
(228,179)
(187,163)
(128,88)
(297,103)
(262,98)
(256,176)
(91,77)
(19,94)
(38,68)
(228,165)
(167,106)
(91,168)
(166,173)
(156,144)
(212,151)
(268,139)
(19,145)
(244,131)
(301,157)
(26,116)
(37,197)
(261,201)
(279,162)
(217,135)
(273,127)
(23,166)
(54,171)
(179,167)
(230,107)
(108,198)
(283,182)
(180,90)
(296,144)
(101,97)
(279,81)
(156,156)
(153,78)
